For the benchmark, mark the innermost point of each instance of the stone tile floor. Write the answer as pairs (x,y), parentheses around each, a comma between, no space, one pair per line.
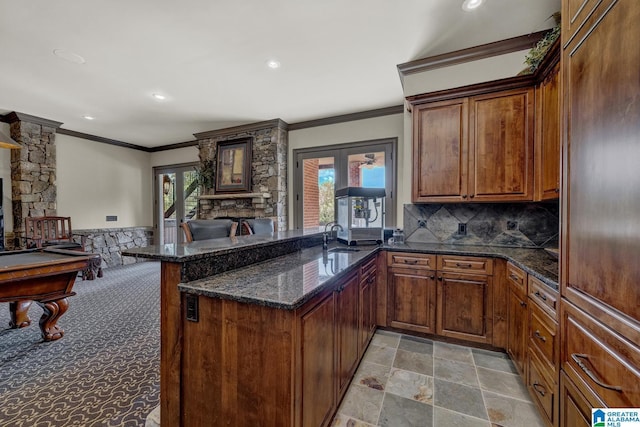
(409,381)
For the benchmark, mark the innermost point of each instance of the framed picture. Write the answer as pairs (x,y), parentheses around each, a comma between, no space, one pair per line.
(233,166)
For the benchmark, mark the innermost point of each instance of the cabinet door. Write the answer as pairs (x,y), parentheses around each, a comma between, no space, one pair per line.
(547,176)
(412,299)
(602,203)
(575,410)
(518,329)
(318,363)
(465,304)
(440,151)
(367,309)
(501,146)
(348,330)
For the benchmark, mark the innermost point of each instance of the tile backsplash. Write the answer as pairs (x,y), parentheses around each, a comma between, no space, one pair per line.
(496,224)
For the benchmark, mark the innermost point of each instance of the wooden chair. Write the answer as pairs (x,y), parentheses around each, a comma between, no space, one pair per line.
(203,229)
(48,231)
(258,226)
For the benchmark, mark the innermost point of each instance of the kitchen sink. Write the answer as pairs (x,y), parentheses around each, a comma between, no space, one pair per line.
(344,250)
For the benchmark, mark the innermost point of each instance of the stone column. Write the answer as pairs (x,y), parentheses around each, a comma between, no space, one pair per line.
(33,170)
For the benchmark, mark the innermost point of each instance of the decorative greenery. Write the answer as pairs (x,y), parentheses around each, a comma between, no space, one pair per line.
(538,52)
(205,174)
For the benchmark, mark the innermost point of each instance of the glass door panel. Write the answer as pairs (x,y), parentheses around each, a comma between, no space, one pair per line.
(177,194)
(366,170)
(318,181)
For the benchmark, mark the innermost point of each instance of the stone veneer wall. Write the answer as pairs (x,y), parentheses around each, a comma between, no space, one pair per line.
(33,171)
(110,242)
(268,172)
(527,225)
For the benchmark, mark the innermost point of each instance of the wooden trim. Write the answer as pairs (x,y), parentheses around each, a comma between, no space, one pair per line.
(516,82)
(15,117)
(217,133)
(343,118)
(173,146)
(475,53)
(102,140)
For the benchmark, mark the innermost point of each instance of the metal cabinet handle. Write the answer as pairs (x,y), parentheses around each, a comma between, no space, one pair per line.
(523,304)
(472,196)
(371,279)
(576,358)
(514,277)
(540,337)
(431,277)
(410,261)
(460,265)
(540,389)
(543,297)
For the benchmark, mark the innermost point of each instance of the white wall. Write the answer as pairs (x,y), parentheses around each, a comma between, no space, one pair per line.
(5,174)
(174,157)
(95,180)
(360,130)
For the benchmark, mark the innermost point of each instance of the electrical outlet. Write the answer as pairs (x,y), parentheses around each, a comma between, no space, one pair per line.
(512,225)
(112,217)
(422,223)
(462,229)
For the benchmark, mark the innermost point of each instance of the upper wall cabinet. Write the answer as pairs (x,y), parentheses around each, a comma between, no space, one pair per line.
(491,142)
(476,148)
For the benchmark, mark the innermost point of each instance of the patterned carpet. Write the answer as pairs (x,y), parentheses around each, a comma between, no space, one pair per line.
(105,371)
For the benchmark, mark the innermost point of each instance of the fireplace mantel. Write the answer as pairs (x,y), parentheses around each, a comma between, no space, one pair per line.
(235,196)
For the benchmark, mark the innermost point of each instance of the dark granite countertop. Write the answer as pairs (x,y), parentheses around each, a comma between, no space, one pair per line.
(173,252)
(285,282)
(289,281)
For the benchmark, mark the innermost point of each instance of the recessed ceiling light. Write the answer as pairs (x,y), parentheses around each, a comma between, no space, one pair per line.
(67,55)
(88,117)
(470,5)
(159,96)
(273,64)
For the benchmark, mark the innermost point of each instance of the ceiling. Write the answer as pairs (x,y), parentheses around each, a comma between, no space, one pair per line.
(209,58)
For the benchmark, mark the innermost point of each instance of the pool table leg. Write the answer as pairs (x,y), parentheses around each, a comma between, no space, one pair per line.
(19,313)
(52,310)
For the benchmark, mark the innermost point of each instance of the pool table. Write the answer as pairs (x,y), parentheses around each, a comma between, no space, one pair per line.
(45,276)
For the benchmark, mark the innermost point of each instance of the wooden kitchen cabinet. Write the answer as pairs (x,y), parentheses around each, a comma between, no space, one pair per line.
(368,280)
(600,321)
(412,292)
(465,304)
(477,148)
(348,330)
(576,409)
(501,132)
(318,352)
(547,141)
(518,319)
(440,151)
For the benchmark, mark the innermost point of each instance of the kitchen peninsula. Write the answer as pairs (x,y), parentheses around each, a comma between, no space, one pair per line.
(268,330)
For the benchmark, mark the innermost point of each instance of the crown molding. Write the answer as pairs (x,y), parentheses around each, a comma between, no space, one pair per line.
(15,117)
(173,146)
(102,140)
(369,114)
(475,53)
(217,133)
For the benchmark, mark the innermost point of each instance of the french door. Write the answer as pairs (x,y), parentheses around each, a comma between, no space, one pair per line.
(319,171)
(176,200)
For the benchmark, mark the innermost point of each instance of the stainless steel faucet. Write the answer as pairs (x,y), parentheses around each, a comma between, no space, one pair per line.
(326,235)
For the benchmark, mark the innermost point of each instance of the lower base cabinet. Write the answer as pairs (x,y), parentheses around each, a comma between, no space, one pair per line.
(318,362)
(576,410)
(347,330)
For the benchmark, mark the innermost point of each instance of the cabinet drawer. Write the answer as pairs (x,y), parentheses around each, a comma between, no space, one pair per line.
(542,335)
(600,360)
(544,296)
(542,390)
(404,259)
(517,279)
(464,264)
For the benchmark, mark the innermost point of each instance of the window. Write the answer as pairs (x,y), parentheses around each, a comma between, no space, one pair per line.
(320,171)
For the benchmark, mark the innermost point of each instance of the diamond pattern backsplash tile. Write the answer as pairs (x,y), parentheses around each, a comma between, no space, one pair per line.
(525,225)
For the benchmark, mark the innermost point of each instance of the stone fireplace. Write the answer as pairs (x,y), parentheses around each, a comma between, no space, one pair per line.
(268,194)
